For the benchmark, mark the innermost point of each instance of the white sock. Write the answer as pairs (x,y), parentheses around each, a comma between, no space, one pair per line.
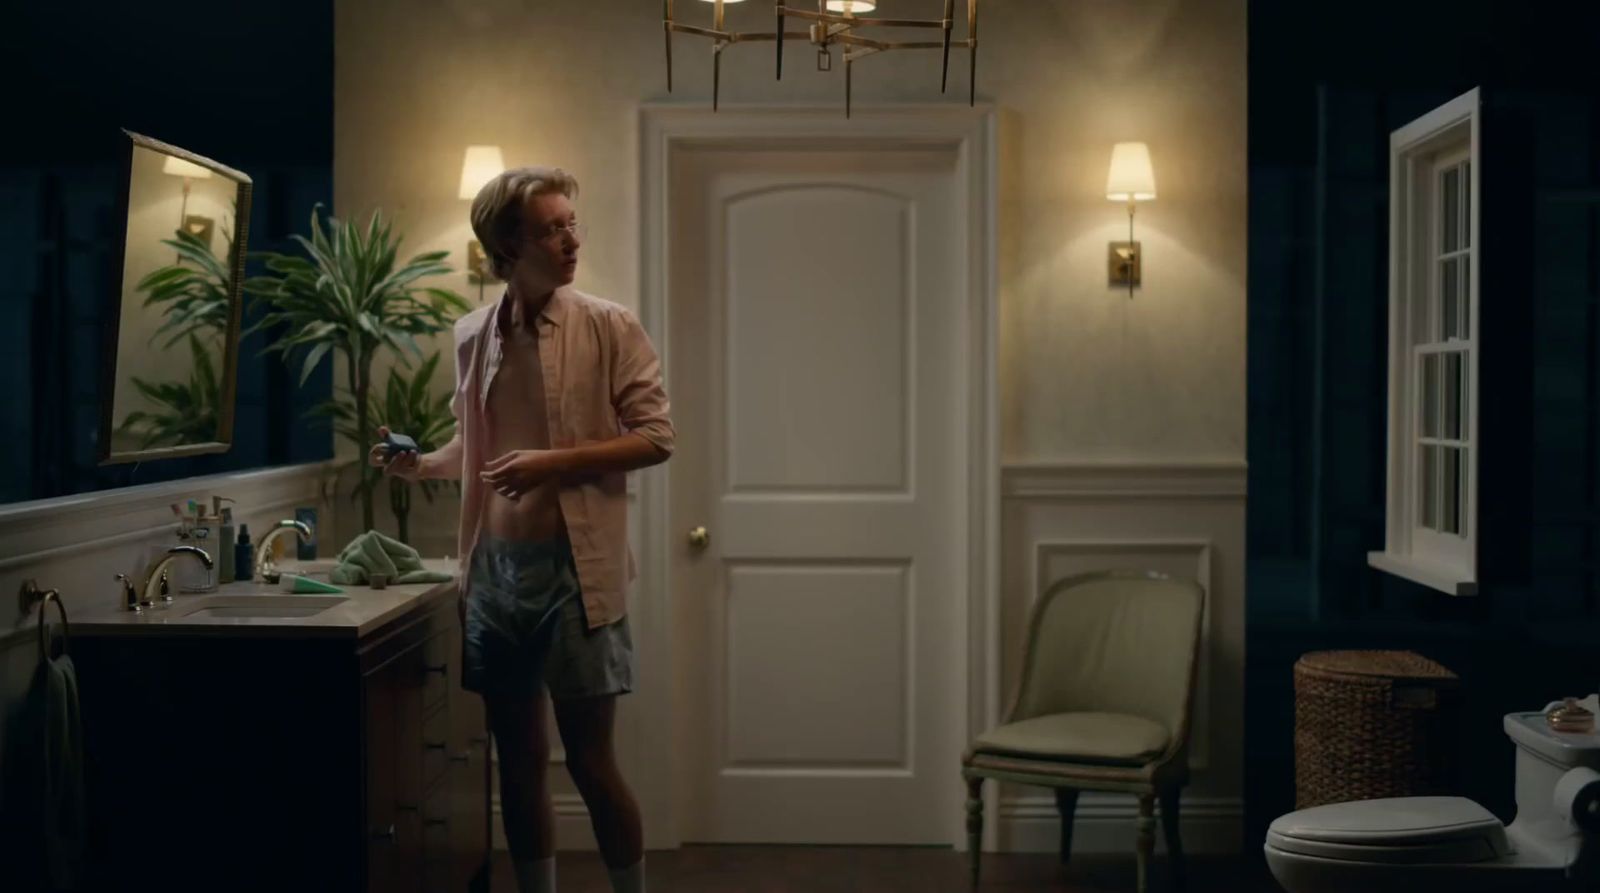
(536,875)
(628,880)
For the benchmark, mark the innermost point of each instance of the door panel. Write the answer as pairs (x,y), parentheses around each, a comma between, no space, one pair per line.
(818,347)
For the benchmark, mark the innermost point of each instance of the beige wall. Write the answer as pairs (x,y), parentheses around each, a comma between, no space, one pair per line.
(1091,381)
(1086,373)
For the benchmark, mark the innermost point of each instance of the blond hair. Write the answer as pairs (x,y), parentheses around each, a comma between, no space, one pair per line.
(497,211)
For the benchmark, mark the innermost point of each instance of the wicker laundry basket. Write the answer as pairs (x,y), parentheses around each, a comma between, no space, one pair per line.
(1370,724)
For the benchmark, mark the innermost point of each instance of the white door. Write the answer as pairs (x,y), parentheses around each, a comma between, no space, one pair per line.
(819,326)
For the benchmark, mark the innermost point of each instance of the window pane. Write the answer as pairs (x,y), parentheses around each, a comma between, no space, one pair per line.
(1427,488)
(1429,404)
(1450,212)
(1450,400)
(1450,490)
(1466,204)
(1449,298)
(1464,384)
(1465,317)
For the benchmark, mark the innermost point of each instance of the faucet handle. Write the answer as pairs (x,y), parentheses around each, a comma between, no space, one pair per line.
(130,595)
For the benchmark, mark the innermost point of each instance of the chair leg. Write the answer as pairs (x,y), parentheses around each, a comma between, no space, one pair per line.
(1067,805)
(974,826)
(1169,826)
(1147,839)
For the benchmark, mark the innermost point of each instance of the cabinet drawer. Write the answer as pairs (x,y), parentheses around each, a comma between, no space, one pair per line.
(435,745)
(437,667)
(437,851)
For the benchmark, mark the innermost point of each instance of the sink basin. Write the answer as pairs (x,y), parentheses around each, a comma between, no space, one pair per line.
(236,606)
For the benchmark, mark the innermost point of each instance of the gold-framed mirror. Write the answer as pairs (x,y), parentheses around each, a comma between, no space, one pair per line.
(171,337)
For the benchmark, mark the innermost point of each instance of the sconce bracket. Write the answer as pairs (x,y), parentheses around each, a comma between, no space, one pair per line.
(478,272)
(1123,263)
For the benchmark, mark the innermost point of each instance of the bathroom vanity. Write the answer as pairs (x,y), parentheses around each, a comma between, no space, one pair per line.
(253,740)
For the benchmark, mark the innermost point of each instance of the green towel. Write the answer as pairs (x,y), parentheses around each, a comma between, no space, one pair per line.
(373,553)
(64,817)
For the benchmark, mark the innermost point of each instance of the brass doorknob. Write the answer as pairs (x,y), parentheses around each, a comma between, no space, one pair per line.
(699,538)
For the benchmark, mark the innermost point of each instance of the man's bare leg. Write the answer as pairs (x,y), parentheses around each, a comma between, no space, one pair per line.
(522,740)
(586,726)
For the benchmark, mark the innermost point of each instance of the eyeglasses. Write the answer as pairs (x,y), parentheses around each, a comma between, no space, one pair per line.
(556,230)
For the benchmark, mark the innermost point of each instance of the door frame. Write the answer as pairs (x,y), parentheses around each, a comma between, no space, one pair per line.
(666,129)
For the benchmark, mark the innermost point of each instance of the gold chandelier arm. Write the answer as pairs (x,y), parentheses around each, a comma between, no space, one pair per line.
(972,41)
(879,45)
(748,36)
(944,69)
(666,30)
(703,32)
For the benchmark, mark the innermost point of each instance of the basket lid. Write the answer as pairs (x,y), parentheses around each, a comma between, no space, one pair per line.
(1406,665)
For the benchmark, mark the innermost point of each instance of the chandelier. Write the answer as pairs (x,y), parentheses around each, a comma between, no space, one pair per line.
(834,23)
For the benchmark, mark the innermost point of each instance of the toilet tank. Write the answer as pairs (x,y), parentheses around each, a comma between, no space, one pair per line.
(1543,756)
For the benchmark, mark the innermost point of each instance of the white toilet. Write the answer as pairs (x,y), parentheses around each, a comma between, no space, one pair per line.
(1438,844)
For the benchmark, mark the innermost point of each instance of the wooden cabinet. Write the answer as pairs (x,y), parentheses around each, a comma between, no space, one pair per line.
(427,772)
(271,762)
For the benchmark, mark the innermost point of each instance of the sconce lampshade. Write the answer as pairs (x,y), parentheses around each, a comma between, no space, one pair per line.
(180,168)
(725,1)
(854,7)
(1131,179)
(481,164)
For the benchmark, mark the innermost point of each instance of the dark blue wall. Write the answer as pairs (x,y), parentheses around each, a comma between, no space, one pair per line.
(250,85)
(1327,85)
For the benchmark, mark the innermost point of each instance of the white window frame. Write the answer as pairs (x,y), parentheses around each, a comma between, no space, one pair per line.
(1418,152)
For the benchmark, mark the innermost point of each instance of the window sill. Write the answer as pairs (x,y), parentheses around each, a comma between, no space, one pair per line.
(1449,580)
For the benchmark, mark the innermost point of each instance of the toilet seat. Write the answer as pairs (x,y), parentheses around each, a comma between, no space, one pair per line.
(1396,831)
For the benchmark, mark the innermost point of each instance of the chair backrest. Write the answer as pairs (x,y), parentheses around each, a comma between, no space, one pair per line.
(1114,642)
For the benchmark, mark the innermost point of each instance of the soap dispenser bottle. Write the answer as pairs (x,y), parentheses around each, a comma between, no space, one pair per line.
(242,559)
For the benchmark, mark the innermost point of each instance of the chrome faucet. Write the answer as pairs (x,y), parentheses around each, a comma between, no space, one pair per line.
(264,565)
(155,583)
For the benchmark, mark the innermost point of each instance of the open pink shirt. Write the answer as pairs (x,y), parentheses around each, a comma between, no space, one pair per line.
(602,379)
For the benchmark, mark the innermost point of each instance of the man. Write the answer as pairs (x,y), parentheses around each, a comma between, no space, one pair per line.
(558,396)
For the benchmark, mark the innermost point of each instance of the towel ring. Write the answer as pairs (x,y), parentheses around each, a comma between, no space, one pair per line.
(32,595)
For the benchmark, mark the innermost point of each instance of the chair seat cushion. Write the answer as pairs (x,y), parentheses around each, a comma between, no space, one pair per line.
(1082,737)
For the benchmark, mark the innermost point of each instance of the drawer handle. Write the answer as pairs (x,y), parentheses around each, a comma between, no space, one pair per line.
(478,739)
(386,834)
(463,757)
(435,668)
(434,745)
(436,823)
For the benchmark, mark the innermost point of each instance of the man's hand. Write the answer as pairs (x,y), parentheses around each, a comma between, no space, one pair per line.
(407,466)
(519,471)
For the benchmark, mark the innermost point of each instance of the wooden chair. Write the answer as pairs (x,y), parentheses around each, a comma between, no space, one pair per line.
(1107,690)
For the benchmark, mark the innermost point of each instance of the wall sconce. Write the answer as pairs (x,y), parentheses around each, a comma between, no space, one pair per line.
(1130,180)
(479,165)
(190,172)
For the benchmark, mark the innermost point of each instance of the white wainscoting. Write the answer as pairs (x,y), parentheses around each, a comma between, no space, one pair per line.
(1179,517)
(76,543)
(1058,519)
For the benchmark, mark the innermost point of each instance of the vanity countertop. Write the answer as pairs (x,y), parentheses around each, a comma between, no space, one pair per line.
(364,611)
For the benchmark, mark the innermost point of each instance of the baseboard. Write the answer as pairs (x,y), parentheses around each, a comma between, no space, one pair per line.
(1104,823)
(573,831)
(1108,823)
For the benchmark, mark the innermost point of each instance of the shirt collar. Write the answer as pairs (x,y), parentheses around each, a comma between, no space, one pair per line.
(554,312)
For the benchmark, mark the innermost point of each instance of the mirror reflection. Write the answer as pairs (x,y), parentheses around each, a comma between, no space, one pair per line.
(172,366)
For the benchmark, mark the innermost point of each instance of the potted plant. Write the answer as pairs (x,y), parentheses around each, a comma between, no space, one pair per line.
(351,295)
